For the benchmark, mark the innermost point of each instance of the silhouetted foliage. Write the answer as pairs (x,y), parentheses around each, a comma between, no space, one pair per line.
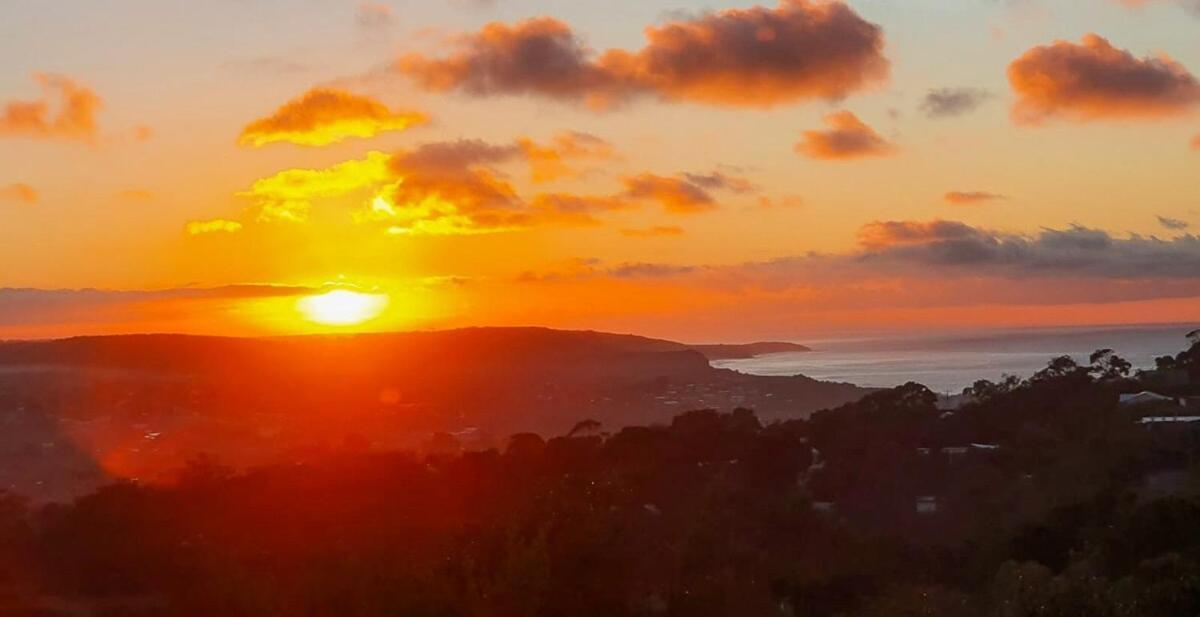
(1032,500)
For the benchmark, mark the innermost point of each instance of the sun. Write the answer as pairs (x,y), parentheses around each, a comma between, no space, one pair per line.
(342,307)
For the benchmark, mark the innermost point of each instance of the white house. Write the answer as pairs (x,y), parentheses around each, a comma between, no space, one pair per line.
(1145,397)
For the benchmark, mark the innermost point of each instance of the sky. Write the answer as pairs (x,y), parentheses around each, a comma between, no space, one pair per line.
(673,168)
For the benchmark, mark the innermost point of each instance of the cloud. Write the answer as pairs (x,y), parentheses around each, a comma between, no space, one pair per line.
(19,193)
(657,231)
(460,187)
(648,270)
(966,198)
(74,117)
(135,195)
(1193,5)
(718,180)
(950,102)
(1172,224)
(783,201)
(324,116)
(375,15)
(886,234)
(1093,80)
(268,65)
(288,195)
(38,313)
(198,228)
(675,195)
(549,162)
(566,208)
(847,138)
(1196,142)
(439,188)
(756,57)
(1076,250)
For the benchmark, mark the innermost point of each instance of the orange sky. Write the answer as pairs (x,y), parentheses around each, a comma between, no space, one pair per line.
(776,170)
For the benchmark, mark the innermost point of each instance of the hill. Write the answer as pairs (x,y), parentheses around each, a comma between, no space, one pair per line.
(85,408)
(748,350)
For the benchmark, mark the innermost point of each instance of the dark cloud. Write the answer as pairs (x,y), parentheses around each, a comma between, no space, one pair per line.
(675,195)
(950,102)
(1093,80)
(756,57)
(25,308)
(929,264)
(1172,224)
(649,270)
(966,198)
(718,180)
(454,156)
(549,162)
(1076,250)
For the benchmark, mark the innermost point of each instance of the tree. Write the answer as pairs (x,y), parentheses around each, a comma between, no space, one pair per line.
(1057,368)
(1107,365)
(585,428)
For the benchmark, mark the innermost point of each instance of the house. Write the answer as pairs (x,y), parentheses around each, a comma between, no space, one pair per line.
(1165,378)
(1145,397)
(1169,419)
(927,505)
(824,507)
(955,451)
(953,402)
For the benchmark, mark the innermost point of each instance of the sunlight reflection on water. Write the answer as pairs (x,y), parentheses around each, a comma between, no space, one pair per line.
(949,364)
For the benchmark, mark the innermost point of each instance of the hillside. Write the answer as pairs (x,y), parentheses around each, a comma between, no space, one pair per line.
(135,405)
(748,350)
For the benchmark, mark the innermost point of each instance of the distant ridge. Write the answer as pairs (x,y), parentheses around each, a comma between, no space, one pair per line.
(747,350)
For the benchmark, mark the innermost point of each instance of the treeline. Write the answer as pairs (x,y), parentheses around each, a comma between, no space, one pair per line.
(1042,497)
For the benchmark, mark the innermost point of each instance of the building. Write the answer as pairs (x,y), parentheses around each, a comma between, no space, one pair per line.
(1145,397)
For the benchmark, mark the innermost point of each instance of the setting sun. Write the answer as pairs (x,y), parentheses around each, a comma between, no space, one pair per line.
(342,307)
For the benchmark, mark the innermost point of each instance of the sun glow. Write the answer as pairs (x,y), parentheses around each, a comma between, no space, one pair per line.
(342,307)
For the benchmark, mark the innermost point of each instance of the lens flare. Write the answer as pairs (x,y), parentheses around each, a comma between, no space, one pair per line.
(342,307)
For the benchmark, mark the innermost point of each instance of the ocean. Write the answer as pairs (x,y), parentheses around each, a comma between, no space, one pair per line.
(949,363)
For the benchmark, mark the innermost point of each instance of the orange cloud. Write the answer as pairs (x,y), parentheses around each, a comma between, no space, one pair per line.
(578,210)
(879,235)
(1196,142)
(20,193)
(1093,80)
(1194,5)
(75,117)
(196,228)
(784,201)
(455,187)
(324,116)
(549,163)
(847,138)
(756,57)
(136,195)
(675,195)
(441,188)
(288,195)
(658,231)
(965,198)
